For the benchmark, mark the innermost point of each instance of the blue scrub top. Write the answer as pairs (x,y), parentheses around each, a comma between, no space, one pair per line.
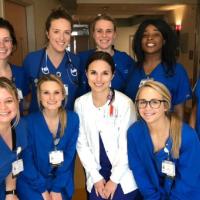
(19,79)
(39,175)
(178,83)
(197,95)
(146,164)
(7,156)
(123,65)
(34,64)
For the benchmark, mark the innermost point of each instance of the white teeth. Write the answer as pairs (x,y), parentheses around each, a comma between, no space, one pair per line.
(150,44)
(3,113)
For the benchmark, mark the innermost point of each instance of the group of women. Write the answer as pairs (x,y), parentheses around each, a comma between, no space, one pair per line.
(126,125)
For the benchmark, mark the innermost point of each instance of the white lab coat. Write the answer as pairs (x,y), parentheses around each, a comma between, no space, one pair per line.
(113,130)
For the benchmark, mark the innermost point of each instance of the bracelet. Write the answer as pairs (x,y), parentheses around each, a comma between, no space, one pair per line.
(13,192)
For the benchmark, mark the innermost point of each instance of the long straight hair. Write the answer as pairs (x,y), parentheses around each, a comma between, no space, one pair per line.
(175,122)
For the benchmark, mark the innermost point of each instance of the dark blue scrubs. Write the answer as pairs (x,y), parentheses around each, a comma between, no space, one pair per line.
(34,65)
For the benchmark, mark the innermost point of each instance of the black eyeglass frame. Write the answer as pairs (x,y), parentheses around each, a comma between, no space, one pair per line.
(150,103)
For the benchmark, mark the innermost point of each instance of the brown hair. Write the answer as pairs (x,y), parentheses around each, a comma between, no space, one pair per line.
(61,112)
(10,87)
(104,17)
(175,122)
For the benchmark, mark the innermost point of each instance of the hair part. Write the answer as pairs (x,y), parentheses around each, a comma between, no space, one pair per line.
(175,122)
(104,56)
(7,84)
(61,111)
(168,56)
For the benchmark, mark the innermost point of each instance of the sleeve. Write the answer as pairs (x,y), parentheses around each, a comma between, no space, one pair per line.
(30,173)
(186,185)
(84,150)
(184,91)
(121,162)
(65,172)
(143,180)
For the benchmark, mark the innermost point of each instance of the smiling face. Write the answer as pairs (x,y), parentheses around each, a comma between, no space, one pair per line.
(6,45)
(149,114)
(51,95)
(104,34)
(8,106)
(59,34)
(99,76)
(152,40)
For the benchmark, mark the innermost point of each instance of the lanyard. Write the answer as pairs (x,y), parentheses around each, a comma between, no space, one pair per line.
(14,146)
(56,140)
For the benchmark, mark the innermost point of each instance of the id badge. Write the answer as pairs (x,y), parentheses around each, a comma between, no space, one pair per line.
(66,89)
(56,158)
(17,167)
(20,95)
(168,168)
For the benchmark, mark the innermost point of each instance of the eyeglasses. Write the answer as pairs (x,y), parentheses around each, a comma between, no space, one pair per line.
(6,41)
(153,103)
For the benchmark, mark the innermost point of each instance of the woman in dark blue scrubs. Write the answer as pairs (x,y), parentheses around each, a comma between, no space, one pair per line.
(54,58)
(104,34)
(163,151)
(155,46)
(53,132)
(13,140)
(8,44)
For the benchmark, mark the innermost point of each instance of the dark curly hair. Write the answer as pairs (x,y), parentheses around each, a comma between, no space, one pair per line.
(168,57)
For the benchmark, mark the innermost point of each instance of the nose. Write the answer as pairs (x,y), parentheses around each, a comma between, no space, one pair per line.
(98,78)
(2,43)
(51,96)
(2,105)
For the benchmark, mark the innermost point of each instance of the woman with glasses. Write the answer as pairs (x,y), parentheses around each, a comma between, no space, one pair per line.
(104,35)
(53,134)
(13,140)
(155,46)
(8,45)
(54,58)
(105,115)
(163,151)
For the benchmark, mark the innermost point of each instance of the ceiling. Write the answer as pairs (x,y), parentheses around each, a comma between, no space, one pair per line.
(125,13)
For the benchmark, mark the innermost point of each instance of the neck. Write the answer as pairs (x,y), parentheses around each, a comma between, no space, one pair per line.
(50,114)
(152,58)
(160,127)
(108,50)
(5,128)
(100,98)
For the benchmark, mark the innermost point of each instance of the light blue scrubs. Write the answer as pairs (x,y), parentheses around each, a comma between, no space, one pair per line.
(177,83)
(35,65)
(39,175)
(7,156)
(123,65)
(146,165)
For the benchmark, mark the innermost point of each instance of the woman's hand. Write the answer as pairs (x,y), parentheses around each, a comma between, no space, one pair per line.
(56,196)
(99,188)
(46,195)
(11,197)
(109,189)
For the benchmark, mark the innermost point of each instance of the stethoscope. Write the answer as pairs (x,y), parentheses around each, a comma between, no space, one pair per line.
(72,71)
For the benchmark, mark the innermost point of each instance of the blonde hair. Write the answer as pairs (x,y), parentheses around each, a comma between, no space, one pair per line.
(175,122)
(10,87)
(61,111)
